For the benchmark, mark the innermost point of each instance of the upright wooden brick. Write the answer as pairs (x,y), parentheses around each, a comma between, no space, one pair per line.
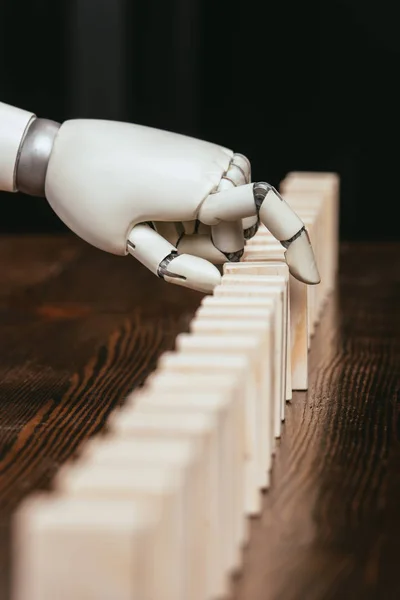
(198,364)
(238,346)
(77,548)
(239,289)
(221,321)
(108,455)
(217,406)
(270,268)
(298,314)
(200,391)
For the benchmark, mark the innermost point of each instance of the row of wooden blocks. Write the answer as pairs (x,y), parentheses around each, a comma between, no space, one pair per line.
(157,508)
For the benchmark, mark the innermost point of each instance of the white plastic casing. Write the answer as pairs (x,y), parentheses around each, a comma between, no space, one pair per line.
(200,275)
(280,219)
(150,249)
(13,125)
(105,177)
(229,204)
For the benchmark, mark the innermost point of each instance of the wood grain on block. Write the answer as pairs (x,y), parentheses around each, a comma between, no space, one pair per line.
(263,291)
(271,251)
(328,183)
(298,318)
(251,319)
(218,309)
(265,401)
(180,363)
(274,268)
(306,204)
(160,486)
(266,245)
(312,290)
(251,348)
(113,453)
(221,323)
(218,408)
(68,548)
(317,291)
(262,236)
(202,388)
(275,250)
(299,333)
(138,424)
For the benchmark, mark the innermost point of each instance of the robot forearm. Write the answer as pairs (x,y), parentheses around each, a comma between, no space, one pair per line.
(26,143)
(14,123)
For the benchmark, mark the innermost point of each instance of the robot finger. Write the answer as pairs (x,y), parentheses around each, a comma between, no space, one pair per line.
(240,173)
(168,230)
(211,243)
(227,236)
(250,226)
(228,239)
(243,163)
(263,200)
(164,260)
(201,245)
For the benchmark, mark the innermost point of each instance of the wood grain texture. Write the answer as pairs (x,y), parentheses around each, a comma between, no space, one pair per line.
(80,329)
(330,527)
(84,330)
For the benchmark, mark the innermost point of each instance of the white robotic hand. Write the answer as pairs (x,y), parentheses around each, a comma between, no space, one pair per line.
(175,203)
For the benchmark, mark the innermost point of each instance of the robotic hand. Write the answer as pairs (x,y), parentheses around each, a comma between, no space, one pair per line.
(175,203)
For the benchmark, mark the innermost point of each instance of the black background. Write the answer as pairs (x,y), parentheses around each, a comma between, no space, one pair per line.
(294,86)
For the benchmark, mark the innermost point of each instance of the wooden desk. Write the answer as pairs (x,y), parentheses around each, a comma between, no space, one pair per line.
(79,329)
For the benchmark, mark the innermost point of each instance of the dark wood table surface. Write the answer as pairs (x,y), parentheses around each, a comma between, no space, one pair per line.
(79,329)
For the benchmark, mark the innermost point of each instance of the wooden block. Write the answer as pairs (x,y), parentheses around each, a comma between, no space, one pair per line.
(223,383)
(77,548)
(313,204)
(261,253)
(162,486)
(299,331)
(244,318)
(312,290)
(218,408)
(251,348)
(265,242)
(308,207)
(274,268)
(260,310)
(265,404)
(219,322)
(159,426)
(269,248)
(201,390)
(327,183)
(265,289)
(198,364)
(104,456)
(298,318)
(323,235)
(138,423)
